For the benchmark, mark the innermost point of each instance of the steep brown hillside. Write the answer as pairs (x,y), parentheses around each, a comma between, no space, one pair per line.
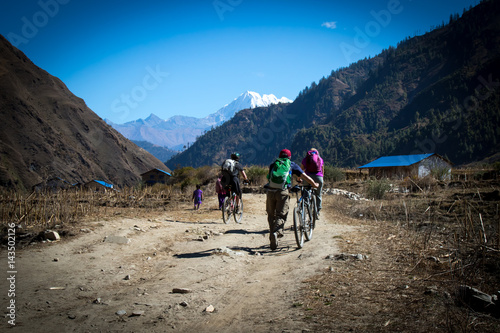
(46,131)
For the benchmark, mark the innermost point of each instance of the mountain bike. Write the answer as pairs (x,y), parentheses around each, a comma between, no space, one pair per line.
(304,214)
(229,207)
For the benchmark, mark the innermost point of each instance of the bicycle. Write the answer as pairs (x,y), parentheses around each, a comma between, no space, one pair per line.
(229,207)
(304,214)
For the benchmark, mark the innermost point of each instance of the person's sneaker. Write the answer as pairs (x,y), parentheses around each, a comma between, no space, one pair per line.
(274,241)
(280,230)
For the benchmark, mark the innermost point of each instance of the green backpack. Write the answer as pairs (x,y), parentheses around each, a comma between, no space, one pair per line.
(280,175)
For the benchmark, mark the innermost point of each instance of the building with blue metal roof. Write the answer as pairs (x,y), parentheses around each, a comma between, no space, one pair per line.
(99,185)
(401,166)
(155,176)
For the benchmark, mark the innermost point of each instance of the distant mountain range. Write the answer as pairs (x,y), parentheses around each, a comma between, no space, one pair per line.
(177,131)
(435,93)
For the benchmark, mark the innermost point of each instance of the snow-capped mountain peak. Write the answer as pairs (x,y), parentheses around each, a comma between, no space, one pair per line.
(247,100)
(176,131)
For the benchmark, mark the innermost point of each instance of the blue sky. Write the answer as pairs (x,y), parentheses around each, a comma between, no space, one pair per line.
(128,59)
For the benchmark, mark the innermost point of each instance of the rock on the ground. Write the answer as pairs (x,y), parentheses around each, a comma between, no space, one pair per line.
(181,291)
(52,235)
(479,301)
(117,239)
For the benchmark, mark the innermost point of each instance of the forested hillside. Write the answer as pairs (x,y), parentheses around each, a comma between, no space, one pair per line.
(433,93)
(161,153)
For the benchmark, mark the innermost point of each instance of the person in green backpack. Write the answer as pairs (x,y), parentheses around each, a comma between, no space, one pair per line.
(278,198)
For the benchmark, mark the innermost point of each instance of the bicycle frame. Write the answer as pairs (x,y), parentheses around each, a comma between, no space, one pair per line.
(229,207)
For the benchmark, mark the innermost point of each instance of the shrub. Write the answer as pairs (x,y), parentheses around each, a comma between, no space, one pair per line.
(441,173)
(181,174)
(333,174)
(257,174)
(377,188)
(188,182)
(206,174)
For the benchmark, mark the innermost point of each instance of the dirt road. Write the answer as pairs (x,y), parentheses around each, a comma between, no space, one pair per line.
(81,284)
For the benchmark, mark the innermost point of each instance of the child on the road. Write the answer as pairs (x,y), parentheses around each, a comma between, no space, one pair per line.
(197,197)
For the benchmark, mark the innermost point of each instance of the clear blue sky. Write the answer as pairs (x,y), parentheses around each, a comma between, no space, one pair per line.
(128,59)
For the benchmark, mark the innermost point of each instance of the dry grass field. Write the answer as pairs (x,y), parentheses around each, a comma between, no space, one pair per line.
(421,247)
(401,262)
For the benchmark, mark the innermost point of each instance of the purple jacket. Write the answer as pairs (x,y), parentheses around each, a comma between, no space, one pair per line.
(319,174)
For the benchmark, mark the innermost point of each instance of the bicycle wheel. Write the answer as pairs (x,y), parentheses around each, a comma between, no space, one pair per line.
(226,209)
(297,227)
(307,221)
(238,212)
(314,211)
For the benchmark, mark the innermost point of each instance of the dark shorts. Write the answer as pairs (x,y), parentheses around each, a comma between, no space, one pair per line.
(235,186)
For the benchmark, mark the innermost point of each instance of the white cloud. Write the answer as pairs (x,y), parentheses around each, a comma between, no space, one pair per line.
(330,25)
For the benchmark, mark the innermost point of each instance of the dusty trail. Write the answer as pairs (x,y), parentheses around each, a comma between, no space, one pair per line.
(79,284)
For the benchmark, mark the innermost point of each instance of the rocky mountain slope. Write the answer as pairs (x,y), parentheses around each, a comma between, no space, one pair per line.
(48,132)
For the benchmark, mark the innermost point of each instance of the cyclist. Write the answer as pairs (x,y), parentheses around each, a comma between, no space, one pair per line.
(230,170)
(314,167)
(278,198)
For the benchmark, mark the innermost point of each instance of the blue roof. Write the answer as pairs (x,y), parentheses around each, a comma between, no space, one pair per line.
(104,183)
(157,170)
(399,160)
(164,172)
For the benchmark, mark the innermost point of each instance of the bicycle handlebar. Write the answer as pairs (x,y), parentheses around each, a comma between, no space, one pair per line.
(301,186)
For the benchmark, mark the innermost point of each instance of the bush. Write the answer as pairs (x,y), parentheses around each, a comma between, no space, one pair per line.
(188,182)
(441,173)
(189,176)
(377,188)
(333,174)
(206,174)
(179,175)
(257,174)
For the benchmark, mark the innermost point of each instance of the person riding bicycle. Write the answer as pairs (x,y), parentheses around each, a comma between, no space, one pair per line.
(314,167)
(278,198)
(230,171)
